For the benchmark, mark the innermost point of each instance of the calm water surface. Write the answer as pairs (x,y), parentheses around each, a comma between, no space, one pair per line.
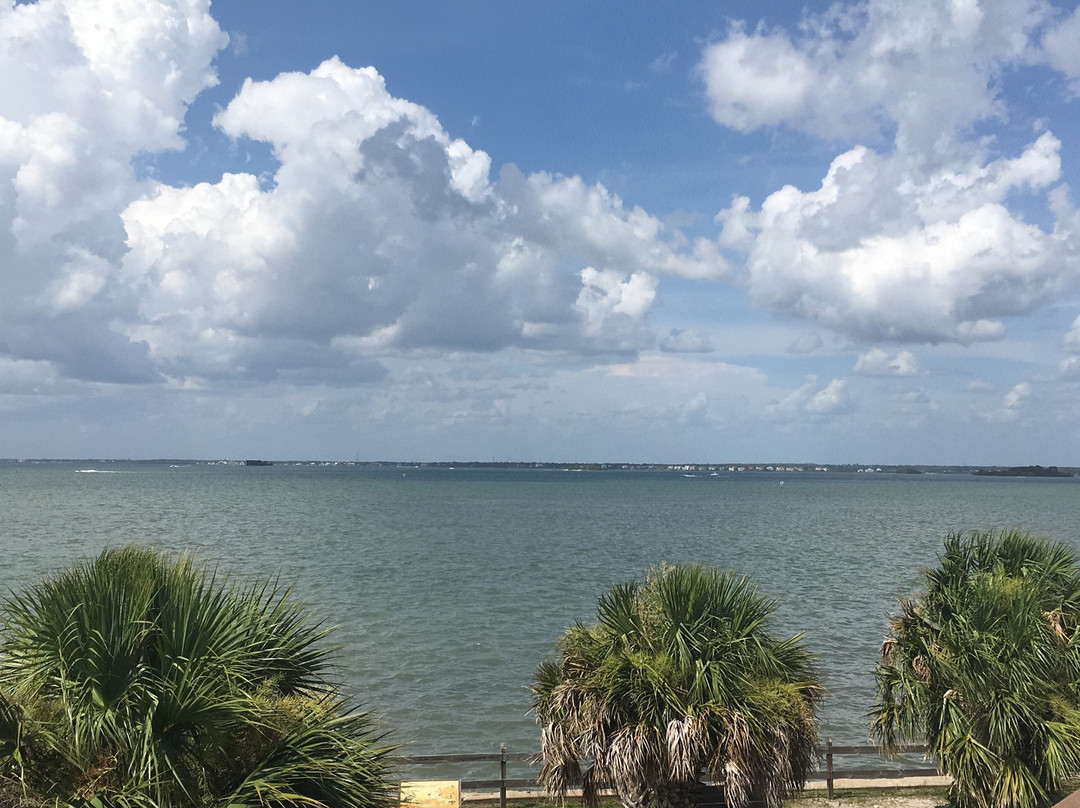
(449,586)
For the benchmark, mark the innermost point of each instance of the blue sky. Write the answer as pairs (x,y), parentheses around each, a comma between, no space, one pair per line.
(547,231)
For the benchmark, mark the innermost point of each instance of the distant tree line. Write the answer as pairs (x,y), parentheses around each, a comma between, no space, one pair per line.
(1024,471)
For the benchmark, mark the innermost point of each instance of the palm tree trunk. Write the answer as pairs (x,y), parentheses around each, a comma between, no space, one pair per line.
(633,795)
(676,794)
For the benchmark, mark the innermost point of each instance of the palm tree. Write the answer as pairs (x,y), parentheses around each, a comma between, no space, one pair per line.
(679,676)
(984,665)
(141,680)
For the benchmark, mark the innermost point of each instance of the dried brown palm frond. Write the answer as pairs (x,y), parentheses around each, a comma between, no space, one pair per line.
(736,782)
(632,754)
(593,746)
(560,768)
(593,782)
(632,762)
(736,743)
(635,794)
(921,669)
(687,744)
(803,754)
(731,764)
(1056,619)
(567,698)
(776,761)
(886,649)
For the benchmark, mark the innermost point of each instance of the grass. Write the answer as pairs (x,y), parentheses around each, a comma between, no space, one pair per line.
(873,796)
(855,797)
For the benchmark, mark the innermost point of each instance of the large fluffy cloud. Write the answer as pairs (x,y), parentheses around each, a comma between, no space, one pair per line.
(381,233)
(378,232)
(926,68)
(921,242)
(84,87)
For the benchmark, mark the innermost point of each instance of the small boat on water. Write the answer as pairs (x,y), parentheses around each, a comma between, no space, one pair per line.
(258,463)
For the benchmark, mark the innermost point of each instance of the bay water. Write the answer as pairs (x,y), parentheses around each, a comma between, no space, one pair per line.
(448,586)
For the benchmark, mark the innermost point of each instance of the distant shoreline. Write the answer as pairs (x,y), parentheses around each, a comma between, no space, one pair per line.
(689,468)
(1025,471)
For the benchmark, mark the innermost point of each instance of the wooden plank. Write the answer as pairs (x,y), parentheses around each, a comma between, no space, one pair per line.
(903,749)
(526,757)
(430,794)
(868,774)
(489,785)
(493,757)
(478,757)
(1071,801)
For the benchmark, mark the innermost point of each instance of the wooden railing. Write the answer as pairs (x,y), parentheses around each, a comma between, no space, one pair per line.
(830,774)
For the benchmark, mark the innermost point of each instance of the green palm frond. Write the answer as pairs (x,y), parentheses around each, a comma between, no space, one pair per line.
(680,674)
(143,680)
(982,664)
(618,611)
(334,762)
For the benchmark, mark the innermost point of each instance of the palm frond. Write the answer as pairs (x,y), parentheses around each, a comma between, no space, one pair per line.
(680,673)
(982,664)
(335,762)
(142,679)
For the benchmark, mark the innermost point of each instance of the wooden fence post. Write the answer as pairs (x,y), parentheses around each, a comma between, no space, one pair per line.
(829,767)
(502,776)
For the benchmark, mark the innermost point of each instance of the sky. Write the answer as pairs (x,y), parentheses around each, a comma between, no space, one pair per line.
(560,231)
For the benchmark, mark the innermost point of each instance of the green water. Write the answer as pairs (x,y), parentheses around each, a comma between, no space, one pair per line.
(449,586)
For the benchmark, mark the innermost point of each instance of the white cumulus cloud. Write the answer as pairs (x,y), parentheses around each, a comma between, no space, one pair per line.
(918,242)
(877,362)
(85,86)
(1012,405)
(378,233)
(382,233)
(813,399)
(1062,48)
(1072,339)
(925,67)
(756,80)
